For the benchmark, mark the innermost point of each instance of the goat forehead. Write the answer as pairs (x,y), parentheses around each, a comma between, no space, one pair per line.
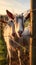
(19,21)
(18,18)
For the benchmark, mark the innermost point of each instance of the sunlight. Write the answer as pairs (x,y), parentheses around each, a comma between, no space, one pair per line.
(14,6)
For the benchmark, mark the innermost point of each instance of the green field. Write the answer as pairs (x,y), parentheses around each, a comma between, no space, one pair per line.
(3,52)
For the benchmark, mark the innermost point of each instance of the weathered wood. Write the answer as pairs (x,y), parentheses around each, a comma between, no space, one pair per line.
(33,7)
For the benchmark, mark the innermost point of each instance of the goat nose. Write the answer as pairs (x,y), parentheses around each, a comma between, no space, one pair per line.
(20,32)
(13,34)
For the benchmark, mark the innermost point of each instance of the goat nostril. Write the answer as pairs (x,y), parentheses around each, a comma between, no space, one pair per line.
(13,34)
(20,32)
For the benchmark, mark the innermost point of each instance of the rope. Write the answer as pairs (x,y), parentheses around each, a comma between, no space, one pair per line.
(32,10)
(19,44)
(24,48)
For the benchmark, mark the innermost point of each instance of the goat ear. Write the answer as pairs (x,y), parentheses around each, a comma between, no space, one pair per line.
(28,16)
(10,15)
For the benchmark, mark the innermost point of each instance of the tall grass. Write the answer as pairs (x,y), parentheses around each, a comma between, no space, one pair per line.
(3,51)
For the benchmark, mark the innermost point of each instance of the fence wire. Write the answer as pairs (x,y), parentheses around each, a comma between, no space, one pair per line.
(1,31)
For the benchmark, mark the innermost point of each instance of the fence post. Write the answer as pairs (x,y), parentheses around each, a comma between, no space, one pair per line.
(33,19)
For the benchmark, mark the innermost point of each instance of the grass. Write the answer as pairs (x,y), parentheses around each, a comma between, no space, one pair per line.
(3,52)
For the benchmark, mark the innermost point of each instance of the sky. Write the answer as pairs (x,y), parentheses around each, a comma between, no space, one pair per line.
(14,6)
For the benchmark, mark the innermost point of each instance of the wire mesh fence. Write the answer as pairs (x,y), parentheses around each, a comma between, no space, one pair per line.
(24,56)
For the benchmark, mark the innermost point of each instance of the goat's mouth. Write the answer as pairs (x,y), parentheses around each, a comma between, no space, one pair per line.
(13,34)
(20,33)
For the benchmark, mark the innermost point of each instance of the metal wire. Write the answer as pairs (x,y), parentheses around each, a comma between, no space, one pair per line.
(23,47)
